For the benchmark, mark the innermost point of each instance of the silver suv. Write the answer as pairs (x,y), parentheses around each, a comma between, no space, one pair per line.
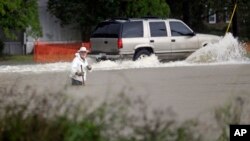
(137,38)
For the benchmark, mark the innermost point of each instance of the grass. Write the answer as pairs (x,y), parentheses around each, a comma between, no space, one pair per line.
(16,59)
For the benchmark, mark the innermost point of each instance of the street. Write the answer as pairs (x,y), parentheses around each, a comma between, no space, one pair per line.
(191,91)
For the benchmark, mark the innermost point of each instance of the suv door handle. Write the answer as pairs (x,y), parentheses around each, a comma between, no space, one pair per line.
(105,42)
(151,41)
(173,40)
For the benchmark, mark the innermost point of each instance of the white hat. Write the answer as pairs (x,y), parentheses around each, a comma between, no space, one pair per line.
(83,49)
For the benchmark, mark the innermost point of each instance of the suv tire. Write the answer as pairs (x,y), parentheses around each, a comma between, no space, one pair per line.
(141,54)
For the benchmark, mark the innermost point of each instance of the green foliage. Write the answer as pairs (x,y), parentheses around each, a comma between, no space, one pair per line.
(1,47)
(16,59)
(34,127)
(29,116)
(198,13)
(17,15)
(140,8)
(232,113)
(15,128)
(83,131)
(175,8)
(244,19)
(85,13)
(88,13)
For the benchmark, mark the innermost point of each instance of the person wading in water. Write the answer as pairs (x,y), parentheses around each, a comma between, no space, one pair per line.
(79,67)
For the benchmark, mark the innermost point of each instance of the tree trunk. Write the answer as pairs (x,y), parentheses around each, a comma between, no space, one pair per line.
(86,31)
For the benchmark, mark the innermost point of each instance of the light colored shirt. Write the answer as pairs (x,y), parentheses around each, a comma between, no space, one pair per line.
(76,67)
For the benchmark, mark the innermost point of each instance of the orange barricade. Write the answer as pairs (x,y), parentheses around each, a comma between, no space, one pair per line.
(45,52)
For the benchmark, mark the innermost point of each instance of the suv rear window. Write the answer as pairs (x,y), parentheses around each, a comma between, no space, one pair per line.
(107,30)
(132,29)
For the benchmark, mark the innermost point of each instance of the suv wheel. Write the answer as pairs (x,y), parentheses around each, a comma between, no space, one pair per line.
(141,54)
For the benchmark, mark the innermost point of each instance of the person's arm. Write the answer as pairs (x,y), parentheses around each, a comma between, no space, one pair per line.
(89,67)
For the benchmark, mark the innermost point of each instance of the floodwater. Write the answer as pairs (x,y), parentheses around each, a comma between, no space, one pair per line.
(227,51)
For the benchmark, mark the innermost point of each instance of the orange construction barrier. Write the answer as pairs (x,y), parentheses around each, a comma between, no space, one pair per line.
(45,52)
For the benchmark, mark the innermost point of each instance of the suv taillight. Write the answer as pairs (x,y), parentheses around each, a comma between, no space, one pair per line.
(119,43)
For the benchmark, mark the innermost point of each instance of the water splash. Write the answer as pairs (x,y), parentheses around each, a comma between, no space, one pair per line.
(228,49)
(36,68)
(146,62)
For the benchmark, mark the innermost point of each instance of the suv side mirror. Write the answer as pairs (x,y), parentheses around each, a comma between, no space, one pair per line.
(191,34)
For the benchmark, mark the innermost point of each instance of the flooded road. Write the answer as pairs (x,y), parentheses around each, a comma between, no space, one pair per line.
(192,88)
(191,92)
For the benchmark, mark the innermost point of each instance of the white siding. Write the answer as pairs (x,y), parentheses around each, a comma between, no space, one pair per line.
(52,30)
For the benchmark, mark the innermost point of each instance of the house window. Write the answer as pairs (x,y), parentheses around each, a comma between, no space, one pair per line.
(212,18)
(227,15)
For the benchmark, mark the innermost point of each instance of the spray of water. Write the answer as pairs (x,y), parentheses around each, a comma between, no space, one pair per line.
(146,62)
(228,49)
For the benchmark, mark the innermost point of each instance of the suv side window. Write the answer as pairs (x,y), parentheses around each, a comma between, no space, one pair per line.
(132,29)
(158,29)
(179,29)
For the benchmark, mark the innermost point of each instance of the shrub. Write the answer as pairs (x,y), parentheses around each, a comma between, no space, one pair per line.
(26,116)
(1,47)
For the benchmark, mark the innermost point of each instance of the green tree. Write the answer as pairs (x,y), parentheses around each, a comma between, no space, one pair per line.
(244,19)
(17,15)
(85,13)
(175,8)
(141,8)
(195,12)
(88,13)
